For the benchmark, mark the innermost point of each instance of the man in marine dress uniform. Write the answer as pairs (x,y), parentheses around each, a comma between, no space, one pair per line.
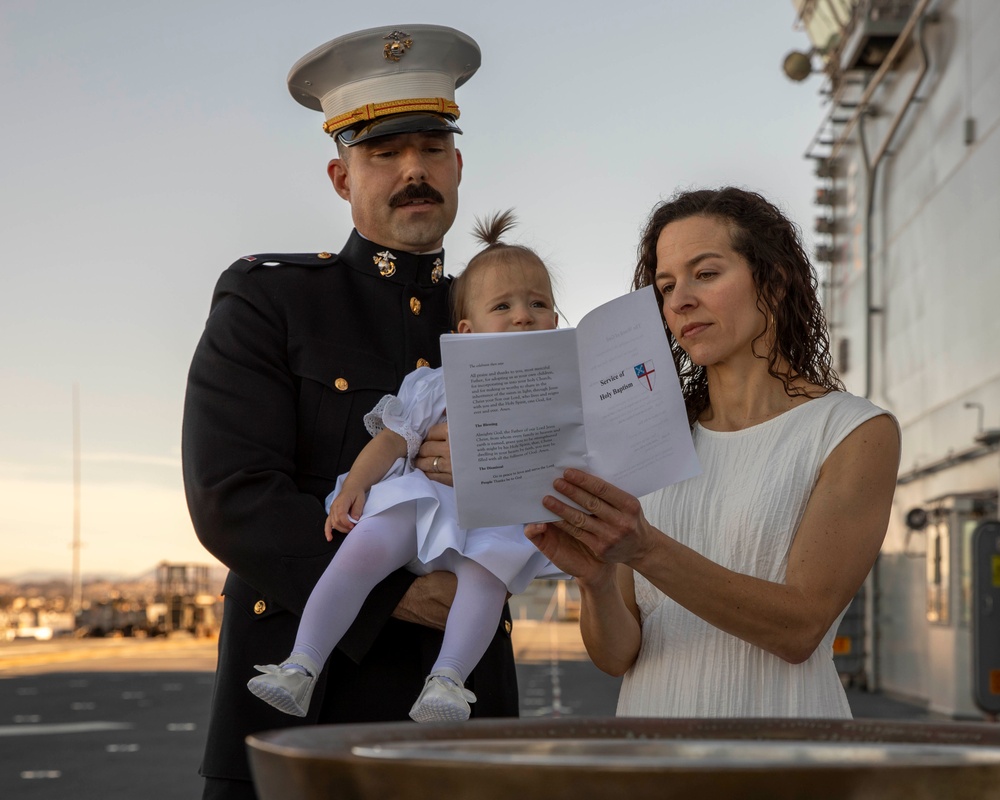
(297,348)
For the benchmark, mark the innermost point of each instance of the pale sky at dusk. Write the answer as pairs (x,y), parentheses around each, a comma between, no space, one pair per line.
(144,147)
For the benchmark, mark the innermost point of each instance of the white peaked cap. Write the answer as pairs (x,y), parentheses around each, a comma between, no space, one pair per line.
(383,81)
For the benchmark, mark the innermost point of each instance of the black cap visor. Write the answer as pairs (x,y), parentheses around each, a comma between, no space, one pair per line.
(416,122)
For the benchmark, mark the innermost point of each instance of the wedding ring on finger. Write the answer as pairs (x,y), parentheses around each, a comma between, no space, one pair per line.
(434,464)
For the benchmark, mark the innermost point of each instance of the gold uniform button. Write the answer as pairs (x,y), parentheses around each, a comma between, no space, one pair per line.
(259,607)
(423,362)
(341,384)
(324,254)
(507,626)
(415,306)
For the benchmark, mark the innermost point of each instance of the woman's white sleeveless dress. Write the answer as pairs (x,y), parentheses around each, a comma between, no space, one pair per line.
(741,512)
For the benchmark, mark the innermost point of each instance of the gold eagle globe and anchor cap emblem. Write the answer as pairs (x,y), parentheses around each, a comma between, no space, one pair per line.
(397,48)
(384,263)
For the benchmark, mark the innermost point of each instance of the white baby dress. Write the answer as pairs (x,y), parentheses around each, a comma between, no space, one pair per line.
(504,551)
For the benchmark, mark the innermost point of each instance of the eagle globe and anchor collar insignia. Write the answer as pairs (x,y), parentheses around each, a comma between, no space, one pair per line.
(384,263)
(386,267)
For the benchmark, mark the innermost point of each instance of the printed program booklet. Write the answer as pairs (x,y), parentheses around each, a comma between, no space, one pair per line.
(603,397)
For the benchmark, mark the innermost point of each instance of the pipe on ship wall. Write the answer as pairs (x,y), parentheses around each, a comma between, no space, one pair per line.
(871,176)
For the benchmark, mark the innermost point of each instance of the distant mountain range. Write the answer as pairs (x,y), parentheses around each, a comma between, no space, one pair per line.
(217,572)
(45,576)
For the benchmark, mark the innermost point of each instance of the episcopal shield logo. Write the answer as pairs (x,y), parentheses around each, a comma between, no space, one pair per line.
(646,373)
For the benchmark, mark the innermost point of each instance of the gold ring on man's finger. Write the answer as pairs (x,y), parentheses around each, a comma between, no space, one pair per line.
(434,464)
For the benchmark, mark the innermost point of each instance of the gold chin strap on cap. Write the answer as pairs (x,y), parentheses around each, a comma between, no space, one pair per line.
(438,105)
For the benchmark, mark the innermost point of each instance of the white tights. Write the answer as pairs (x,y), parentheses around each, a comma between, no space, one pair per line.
(380,545)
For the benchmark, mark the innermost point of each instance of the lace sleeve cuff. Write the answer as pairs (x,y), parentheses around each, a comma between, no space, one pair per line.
(388,414)
(373,419)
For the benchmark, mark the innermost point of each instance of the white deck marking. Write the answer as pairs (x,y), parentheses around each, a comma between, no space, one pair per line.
(63,727)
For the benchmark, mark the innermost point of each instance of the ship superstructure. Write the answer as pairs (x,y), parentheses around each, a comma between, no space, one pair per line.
(908,248)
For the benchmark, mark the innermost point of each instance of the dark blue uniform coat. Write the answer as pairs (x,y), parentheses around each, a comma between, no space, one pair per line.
(297,348)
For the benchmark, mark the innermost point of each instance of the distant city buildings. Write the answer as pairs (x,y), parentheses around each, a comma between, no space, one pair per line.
(172,598)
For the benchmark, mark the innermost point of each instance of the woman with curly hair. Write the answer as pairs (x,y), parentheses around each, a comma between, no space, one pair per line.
(721,596)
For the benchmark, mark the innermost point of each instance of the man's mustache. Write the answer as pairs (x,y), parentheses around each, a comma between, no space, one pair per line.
(422,191)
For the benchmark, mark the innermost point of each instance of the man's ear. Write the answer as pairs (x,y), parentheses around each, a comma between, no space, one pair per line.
(458,156)
(340,178)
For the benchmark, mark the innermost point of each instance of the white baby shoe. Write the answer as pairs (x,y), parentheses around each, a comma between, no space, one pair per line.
(287,688)
(443,699)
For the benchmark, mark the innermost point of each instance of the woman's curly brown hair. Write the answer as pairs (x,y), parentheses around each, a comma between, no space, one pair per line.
(786,287)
